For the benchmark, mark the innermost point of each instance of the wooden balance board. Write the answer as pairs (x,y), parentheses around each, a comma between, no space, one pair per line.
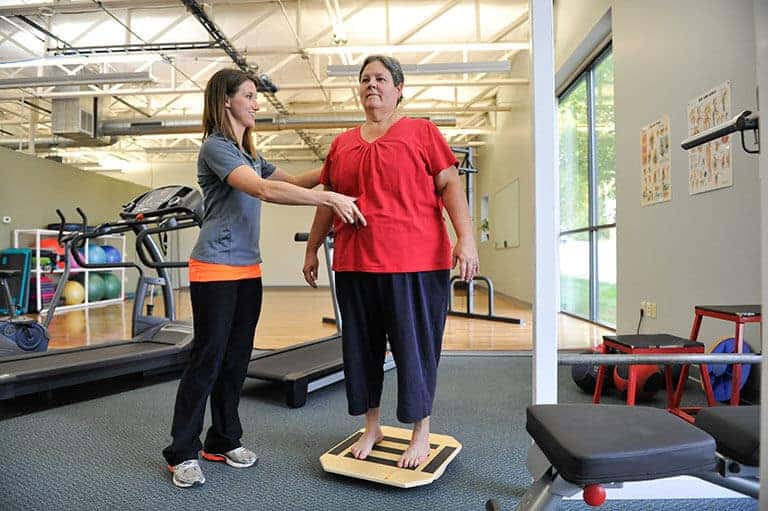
(381,465)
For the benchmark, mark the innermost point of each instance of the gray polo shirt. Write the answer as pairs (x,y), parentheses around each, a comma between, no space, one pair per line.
(231,223)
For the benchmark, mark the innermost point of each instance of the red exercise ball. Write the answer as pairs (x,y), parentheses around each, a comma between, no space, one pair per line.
(650,380)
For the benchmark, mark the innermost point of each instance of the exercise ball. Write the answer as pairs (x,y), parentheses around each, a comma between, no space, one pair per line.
(112,254)
(96,254)
(111,285)
(721,375)
(73,293)
(73,262)
(585,375)
(95,287)
(649,380)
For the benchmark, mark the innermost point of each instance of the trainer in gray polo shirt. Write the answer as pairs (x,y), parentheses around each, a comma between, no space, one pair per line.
(230,231)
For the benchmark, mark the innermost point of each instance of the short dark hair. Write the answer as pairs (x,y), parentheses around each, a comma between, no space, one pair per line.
(392,65)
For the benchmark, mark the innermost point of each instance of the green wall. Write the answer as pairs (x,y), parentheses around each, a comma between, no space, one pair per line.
(32,188)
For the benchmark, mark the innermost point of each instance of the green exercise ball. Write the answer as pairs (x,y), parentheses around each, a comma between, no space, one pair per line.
(95,287)
(111,286)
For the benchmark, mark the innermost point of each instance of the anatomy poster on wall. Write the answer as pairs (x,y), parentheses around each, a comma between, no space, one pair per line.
(709,165)
(656,177)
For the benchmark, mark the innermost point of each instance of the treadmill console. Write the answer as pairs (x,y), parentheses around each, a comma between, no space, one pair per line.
(165,201)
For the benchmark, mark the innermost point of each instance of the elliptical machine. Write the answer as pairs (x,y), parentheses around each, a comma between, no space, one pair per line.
(19,334)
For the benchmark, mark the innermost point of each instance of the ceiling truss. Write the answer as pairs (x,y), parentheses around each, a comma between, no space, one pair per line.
(184,42)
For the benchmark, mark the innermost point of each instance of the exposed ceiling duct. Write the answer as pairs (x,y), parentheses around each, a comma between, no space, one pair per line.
(137,127)
(77,79)
(54,141)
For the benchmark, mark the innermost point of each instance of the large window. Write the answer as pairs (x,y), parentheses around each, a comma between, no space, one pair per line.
(588,195)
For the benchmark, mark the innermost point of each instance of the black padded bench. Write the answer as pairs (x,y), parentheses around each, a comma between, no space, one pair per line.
(736,429)
(585,447)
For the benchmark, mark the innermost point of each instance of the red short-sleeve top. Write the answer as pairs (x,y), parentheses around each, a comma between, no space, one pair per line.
(393,179)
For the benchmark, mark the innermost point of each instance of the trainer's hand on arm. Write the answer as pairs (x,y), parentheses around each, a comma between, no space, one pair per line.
(448,185)
(243,178)
(345,207)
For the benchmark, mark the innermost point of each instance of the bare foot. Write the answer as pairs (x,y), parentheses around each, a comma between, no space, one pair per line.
(418,450)
(362,448)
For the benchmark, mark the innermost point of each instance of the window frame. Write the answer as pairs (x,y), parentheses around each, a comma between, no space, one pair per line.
(588,74)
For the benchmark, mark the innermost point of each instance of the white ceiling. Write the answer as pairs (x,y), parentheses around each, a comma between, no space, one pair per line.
(291,41)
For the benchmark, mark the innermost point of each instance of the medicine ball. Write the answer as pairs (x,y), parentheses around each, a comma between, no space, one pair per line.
(650,380)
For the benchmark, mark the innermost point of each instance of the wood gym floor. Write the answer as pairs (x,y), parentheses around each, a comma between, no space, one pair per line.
(293,315)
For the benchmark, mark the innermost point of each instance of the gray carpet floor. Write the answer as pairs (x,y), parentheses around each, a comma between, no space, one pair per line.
(104,453)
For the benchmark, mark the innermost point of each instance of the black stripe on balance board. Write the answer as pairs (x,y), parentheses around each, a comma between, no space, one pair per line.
(390,450)
(405,441)
(439,459)
(346,444)
(380,461)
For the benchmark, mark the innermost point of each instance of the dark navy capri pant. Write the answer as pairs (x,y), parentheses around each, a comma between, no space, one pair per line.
(409,310)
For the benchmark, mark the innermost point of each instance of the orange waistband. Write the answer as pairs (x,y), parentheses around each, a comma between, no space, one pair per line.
(200,271)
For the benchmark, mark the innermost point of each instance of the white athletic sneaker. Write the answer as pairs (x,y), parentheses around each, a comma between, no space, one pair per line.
(187,474)
(238,458)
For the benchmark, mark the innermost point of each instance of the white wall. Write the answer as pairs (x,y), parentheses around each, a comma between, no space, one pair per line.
(695,249)
(507,156)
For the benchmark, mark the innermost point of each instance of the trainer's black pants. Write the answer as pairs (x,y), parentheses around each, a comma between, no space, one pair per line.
(409,310)
(225,314)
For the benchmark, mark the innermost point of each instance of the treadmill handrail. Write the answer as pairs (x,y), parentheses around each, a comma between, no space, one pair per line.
(184,223)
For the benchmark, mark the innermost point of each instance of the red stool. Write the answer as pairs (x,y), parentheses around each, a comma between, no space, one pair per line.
(657,344)
(739,314)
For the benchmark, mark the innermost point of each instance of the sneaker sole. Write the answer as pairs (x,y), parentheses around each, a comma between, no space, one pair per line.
(178,484)
(224,459)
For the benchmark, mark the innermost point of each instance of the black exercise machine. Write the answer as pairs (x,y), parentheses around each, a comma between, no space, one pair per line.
(312,365)
(577,450)
(19,335)
(744,121)
(157,342)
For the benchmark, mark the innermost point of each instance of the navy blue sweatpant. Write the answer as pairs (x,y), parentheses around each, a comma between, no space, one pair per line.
(409,310)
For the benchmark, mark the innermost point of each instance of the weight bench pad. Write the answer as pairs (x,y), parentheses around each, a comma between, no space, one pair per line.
(736,430)
(589,444)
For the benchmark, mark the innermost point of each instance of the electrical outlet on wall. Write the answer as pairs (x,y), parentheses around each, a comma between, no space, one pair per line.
(650,309)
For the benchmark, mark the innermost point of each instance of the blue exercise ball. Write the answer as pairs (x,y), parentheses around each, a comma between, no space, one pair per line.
(96,254)
(112,254)
(721,375)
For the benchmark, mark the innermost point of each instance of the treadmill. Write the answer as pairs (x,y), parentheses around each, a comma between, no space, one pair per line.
(312,365)
(157,342)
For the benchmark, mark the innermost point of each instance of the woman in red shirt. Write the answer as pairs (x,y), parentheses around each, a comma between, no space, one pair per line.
(392,276)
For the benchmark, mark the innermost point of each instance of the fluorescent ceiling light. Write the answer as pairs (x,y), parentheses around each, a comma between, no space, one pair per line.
(417,48)
(75,60)
(495,66)
(78,79)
